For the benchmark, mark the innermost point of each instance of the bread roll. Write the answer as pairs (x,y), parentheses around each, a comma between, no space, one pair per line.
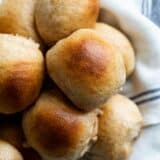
(17,17)
(87,68)
(119,126)
(58,131)
(121,43)
(58,19)
(21,72)
(8,152)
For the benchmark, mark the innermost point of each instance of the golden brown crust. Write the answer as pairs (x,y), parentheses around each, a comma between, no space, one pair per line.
(60,124)
(58,19)
(86,68)
(89,58)
(19,88)
(119,126)
(56,130)
(21,72)
(17,17)
(121,43)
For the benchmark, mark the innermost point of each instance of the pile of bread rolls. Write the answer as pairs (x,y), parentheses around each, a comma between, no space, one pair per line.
(61,74)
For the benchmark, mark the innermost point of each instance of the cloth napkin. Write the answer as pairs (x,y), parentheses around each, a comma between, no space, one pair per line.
(143,87)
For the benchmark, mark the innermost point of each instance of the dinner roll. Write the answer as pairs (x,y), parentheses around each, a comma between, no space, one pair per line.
(8,152)
(21,73)
(58,19)
(120,42)
(87,68)
(119,126)
(17,17)
(57,130)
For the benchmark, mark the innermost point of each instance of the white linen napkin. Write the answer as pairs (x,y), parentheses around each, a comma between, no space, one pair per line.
(147,147)
(144,85)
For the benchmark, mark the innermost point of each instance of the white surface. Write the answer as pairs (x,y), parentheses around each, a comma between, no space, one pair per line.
(145,37)
(146,40)
(148,145)
(137,3)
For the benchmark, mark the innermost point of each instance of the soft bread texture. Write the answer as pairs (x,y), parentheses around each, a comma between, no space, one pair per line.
(21,72)
(8,152)
(12,133)
(119,126)
(58,131)
(17,17)
(58,19)
(87,68)
(121,44)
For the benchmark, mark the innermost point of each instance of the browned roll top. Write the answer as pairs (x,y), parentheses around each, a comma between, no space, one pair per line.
(21,72)
(58,131)
(87,68)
